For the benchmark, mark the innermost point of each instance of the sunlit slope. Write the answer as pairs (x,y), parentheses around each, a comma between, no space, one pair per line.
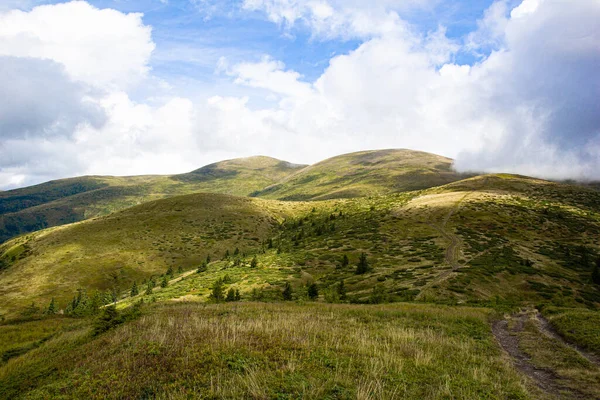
(365,173)
(492,239)
(113,251)
(69,200)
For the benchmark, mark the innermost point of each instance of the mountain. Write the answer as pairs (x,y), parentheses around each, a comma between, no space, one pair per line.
(365,173)
(70,200)
(496,238)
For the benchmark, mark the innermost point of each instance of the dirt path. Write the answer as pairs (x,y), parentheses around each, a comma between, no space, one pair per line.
(453,251)
(506,332)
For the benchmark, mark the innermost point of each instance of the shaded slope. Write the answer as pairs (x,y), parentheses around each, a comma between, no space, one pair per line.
(365,173)
(70,200)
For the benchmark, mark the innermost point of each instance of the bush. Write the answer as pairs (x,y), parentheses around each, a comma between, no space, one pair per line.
(287,292)
(313,291)
(363,265)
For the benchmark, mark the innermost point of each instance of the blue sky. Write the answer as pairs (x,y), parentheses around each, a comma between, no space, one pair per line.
(190,36)
(135,87)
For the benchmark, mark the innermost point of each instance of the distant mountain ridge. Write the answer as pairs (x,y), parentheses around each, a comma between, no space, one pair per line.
(364,173)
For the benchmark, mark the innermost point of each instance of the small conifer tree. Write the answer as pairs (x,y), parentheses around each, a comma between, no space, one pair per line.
(363,265)
(238,297)
(202,268)
(313,291)
(287,292)
(52,309)
(134,289)
(149,288)
(345,261)
(341,290)
(217,291)
(230,295)
(208,259)
(596,273)
(165,282)
(254,262)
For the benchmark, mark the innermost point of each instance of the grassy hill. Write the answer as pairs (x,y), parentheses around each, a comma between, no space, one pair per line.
(70,200)
(479,248)
(364,173)
(493,239)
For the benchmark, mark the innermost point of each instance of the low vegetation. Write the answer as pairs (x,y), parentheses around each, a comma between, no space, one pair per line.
(254,350)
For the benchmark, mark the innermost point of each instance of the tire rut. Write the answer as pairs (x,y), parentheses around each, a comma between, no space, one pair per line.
(544,379)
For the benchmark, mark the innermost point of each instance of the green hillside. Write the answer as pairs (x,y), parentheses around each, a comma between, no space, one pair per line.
(70,200)
(460,266)
(364,173)
(499,238)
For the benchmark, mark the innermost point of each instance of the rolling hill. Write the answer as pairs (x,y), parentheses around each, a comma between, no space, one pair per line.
(496,238)
(70,200)
(487,280)
(365,173)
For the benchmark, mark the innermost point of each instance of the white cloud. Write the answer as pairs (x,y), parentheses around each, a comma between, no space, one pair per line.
(337,18)
(100,47)
(529,105)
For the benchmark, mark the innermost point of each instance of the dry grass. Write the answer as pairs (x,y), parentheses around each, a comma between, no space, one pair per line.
(266,351)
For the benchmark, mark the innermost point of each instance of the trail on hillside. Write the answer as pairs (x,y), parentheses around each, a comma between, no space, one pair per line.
(172,281)
(452,252)
(506,332)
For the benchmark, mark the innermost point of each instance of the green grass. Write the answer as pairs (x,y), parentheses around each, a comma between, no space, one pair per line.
(577,326)
(573,372)
(70,200)
(364,173)
(511,250)
(257,350)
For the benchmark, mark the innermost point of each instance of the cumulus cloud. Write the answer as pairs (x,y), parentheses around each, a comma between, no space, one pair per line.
(528,105)
(99,47)
(40,99)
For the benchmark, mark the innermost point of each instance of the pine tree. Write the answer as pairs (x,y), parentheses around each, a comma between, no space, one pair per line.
(149,288)
(180,270)
(287,292)
(208,259)
(230,295)
(238,297)
(52,309)
(345,261)
(363,265)
(217,291)
(164,283)
(201,268)
(134,289)
(341,290)
(236,252)
(170,271)
(226,255)
(596,273)
(254,262)
(313,291)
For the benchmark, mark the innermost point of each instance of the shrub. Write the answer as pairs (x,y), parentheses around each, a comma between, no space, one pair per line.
(287,292)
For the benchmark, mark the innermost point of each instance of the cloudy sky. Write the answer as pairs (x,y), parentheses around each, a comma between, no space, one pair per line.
(128,87)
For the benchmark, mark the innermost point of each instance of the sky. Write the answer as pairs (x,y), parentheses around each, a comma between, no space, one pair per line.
(128,87)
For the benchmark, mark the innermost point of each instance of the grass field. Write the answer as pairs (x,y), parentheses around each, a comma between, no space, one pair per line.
(264,351)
